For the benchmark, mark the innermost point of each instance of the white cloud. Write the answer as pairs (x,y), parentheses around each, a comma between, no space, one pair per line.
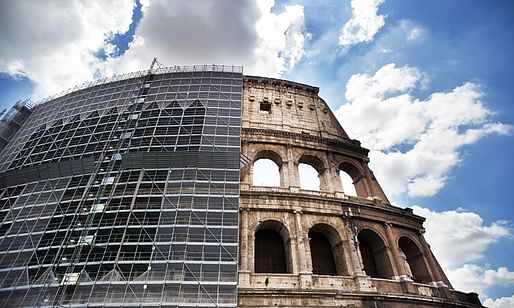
(468,278)
(474,278)
(414,143)
(53,43)
(208,31)
(59,50)
(387,80)
(458,237)
(364,23)
(503,302)
(414,34)
(283,34)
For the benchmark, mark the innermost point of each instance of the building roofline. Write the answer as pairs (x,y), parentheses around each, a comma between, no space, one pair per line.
(289,83)
(141,73)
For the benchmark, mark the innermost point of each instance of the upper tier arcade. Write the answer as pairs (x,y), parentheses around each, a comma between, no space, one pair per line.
(290,124)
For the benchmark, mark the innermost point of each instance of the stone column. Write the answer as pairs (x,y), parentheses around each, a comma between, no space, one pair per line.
(304,271)
(337,185)
(244,270)
(398,266)
(355,266)
(368,180)
(302,264)
(330,175)
(350,256)
(285,173)
(293,179)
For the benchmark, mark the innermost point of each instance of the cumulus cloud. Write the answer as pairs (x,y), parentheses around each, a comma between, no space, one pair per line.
(457,237)
(414,143)
(53,43)
(61,49)
(364,23)
(242,32)
(503,302)
(387,80)
(281,34)
(474,278)
(192,32)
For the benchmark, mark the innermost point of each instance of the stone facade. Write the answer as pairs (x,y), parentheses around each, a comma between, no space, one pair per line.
(380,257)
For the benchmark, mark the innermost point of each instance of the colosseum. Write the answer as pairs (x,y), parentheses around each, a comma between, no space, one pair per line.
(144,190)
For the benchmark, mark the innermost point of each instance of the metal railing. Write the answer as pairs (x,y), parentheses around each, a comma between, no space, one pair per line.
(137,74)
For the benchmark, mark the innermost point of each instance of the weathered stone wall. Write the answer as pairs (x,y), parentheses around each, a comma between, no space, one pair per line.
(289,124)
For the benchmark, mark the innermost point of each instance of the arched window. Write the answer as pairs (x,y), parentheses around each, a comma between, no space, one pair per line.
(323,262)
(266,168)
(414,262)
(354,183)
(374,255)
(309,178)
(310,171)
(327,253)
(347,181)
(266,173)
(271,252)
(272,248)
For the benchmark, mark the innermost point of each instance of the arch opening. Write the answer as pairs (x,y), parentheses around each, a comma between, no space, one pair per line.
(266,173)
(272,253)
(347,182)
(414,262)
(309,177)
(354,183)
(323,262)
(375,259)
(327,253)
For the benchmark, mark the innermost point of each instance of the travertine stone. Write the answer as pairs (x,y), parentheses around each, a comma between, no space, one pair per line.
(300,128)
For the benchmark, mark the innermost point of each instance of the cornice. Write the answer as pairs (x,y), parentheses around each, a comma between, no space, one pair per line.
(274,81)
(350,145)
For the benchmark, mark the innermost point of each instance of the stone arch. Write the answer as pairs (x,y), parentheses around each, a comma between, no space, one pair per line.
(375,258)
(272,248)
(269,154)
(357,177)
(317,164)
(274,174)
(314,161)
(326,246)
(413,260)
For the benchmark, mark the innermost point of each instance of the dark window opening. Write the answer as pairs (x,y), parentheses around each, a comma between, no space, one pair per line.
(368,260)
(270,254)
(375,258)
(265,107)
(413,261)
(323,262)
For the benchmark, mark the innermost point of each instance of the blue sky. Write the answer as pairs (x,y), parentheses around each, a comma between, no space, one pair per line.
(426,85)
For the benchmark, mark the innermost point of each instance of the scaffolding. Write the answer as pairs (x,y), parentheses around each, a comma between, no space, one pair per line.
(12,121)
(161,69)
(126,193)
